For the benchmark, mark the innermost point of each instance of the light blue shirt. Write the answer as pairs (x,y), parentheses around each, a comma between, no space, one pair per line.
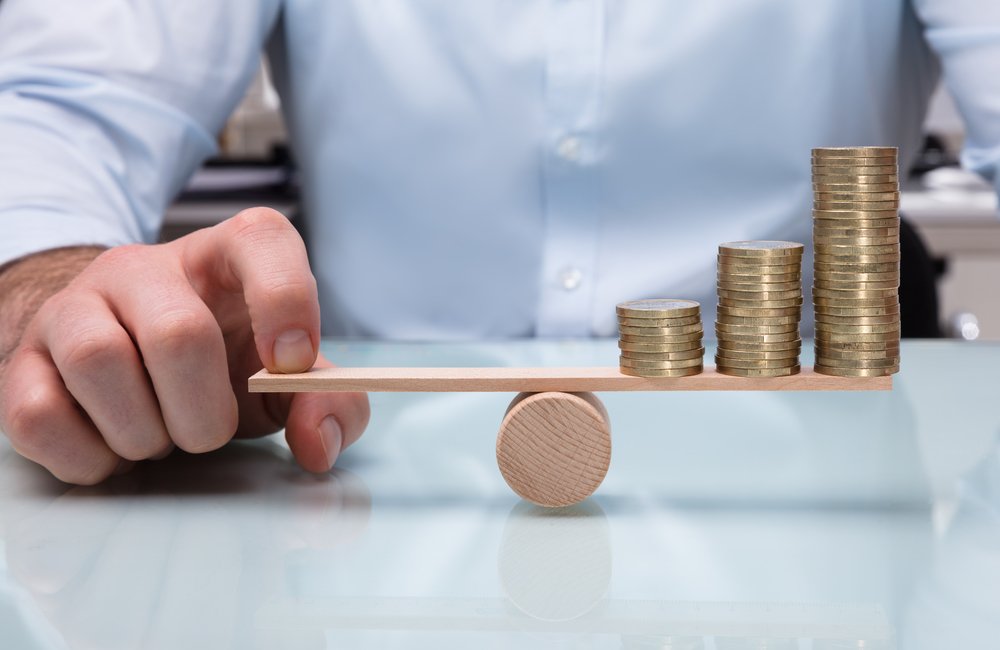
(487,168)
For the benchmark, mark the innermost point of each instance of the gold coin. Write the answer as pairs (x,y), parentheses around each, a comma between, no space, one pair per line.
(851,197)
(760,278)
(651,372)
(658,308)
(859,363)
(878,303)
(888,240)
(736,303)
(759,286)
(892,222)
(766,320)
(855,214)
(760,295)
(870,294)
(631,361)
(660,331)
(888,159)
(854,152)
(821,171)
(841,328)
(858,346)
(835,276)
(856,355)
(662,340)
(822,354)
(747,267)
(780,346)
(664,356)
(658,322)
(856,372)
(728,328)
(759,338)
(822,249)
(757,249)
(722,310)
(856,179)
(686,346)
(856,337)
(658,365)
(855,287)
(839,231)
(841,161)
(857,259)
(856,187)
(759,373)
(859,206)
(887,310)
(730,362)
(828,320)
(885,267)
(754,355)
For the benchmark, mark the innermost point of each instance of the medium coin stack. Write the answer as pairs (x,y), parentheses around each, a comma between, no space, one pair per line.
(760,306)
(660,338)
(856,239)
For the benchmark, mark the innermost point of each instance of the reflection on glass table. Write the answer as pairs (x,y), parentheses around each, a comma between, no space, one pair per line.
(726,521)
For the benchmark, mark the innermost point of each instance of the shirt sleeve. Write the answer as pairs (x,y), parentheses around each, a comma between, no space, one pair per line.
(965,34)
(107,107)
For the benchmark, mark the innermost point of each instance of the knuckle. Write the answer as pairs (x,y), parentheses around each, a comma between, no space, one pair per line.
(25,418)
(284,288)
(253,222)
(94,348)
(178,330)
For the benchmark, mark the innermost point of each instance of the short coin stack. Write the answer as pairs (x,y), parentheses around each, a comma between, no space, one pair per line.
(856,239)
(760,306)
(660,338)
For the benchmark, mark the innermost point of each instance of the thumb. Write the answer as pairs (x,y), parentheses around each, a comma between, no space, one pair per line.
(321,425)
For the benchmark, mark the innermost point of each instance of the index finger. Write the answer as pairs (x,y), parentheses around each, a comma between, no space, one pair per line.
(260,255)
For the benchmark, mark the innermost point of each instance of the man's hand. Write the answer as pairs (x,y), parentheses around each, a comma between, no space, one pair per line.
(151,346)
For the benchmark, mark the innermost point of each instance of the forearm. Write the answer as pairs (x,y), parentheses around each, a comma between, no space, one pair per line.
(28,282)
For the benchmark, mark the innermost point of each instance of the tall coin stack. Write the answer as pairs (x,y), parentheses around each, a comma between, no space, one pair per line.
(856,239)
(660,338)
(760,306)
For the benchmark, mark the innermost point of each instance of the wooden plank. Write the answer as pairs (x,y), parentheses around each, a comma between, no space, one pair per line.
(535,380)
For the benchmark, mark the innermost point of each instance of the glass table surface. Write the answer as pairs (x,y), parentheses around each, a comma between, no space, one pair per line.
(727,520)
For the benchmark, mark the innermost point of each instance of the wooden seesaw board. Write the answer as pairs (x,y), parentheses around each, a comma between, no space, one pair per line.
(536,380)
(554,445)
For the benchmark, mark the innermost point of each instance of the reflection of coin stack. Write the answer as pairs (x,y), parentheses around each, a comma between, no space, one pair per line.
(660,338)
(760,306)
(856,239)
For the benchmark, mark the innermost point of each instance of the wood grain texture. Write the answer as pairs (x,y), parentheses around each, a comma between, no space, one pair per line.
(554,449)
(480,380)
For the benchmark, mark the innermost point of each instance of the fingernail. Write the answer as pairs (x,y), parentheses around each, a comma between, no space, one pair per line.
(330,438)
(123,466)
(293,351)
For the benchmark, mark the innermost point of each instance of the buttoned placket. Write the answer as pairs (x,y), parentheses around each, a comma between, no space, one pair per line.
(571,188)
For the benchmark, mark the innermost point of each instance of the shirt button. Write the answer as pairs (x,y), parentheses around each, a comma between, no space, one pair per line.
(570,278)
(569,149)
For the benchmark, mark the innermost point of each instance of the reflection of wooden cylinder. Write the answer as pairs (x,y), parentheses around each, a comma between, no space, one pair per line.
(554,449)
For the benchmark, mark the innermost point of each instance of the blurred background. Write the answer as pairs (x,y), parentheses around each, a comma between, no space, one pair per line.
(954,211)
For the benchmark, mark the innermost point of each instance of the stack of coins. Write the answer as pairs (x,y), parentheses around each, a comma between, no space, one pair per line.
(760,306)
(660,338)
(856,239)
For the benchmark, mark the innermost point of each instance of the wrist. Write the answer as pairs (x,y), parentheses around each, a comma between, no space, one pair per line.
(26,283)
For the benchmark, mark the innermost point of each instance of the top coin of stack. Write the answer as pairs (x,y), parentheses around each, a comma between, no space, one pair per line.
(660,338)
(856,240)
(760,306)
